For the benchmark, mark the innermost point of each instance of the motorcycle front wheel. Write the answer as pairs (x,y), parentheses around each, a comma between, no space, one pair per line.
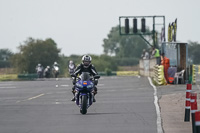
(84,104)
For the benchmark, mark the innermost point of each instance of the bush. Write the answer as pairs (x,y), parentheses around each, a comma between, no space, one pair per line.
(127,61)
(4,64)
(108,71)
(102,63)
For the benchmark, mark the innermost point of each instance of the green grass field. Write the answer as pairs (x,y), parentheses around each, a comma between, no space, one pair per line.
(127,73)
(8,77)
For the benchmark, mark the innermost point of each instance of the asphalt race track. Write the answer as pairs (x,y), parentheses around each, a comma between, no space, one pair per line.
(124,105)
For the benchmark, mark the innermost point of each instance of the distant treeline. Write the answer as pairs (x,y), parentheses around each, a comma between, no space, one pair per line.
(118,51)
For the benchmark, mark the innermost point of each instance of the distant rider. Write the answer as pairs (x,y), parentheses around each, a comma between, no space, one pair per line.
(55,64)
(71,67)
(39,70)
(55,69)
(47,72)
(85,66)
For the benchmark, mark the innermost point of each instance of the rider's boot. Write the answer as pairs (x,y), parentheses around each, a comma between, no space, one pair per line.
(73,92)
(95,92)
(94,100)
(73,99)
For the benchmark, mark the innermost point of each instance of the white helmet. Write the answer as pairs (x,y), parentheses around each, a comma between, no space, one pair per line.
(39,65)
(86,60)
(71,62)
(55,63)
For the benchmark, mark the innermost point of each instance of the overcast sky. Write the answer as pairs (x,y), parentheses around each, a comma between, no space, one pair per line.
(79,26)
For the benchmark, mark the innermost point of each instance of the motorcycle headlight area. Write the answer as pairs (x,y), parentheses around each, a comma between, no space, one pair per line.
(90,86)
(79,85)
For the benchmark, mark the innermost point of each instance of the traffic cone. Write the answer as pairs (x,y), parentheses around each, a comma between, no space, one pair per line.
(187,103)
(193,102)
(197,121)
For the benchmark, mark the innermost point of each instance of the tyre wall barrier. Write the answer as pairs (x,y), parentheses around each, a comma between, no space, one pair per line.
(159,75)
(27,76)
(198,69)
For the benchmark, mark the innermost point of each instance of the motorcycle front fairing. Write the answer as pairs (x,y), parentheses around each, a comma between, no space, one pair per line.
(84,88)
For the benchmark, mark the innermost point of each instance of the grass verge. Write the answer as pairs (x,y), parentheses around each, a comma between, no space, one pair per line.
(8,77)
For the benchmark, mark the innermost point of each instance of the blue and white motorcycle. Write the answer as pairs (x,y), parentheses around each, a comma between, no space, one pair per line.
(84,88)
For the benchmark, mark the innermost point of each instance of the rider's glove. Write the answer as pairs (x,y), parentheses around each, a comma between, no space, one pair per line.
(95,82)
(74,82)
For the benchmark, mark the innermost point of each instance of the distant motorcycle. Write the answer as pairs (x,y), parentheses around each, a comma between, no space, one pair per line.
(56,71)
(84,88)
(47,72)
(39,71)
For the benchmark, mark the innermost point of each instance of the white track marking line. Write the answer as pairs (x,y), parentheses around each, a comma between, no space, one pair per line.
(21,101)
(159,124)
(64,85)
(30,98)
(35,97)
(57,102)
(2,84)
(6,87)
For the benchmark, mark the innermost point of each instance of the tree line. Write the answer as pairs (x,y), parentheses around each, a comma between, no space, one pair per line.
(118,51)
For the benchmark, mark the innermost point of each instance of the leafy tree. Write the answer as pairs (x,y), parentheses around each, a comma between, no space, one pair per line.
(127,49)
(123,46)
(5,55)
(194,53)
(35,51)
(104,62)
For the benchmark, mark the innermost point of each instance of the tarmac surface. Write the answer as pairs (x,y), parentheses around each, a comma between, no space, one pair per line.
(124,104)
(172,106)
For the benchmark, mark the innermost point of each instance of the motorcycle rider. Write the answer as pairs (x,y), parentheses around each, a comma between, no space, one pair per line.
(54,70)
(55,64)
(47,72)
(85,66)
(71,67)
(39,70)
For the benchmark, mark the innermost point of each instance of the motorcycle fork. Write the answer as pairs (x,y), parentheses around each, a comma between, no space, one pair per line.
(77,97)
(89,100)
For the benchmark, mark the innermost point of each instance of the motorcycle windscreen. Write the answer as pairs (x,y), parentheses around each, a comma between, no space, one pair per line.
(85,76)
